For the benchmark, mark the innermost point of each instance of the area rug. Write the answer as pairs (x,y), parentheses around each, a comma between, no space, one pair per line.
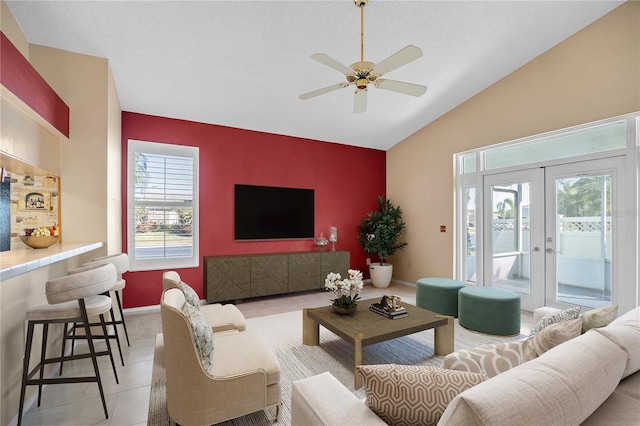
(283,333)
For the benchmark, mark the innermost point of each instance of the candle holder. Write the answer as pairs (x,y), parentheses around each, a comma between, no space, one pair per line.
(321,242)
(333,237)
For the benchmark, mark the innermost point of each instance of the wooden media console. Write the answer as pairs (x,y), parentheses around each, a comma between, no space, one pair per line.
(237,277)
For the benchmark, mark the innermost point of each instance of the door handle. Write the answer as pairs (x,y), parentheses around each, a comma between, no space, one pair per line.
(550,251)
(536,249)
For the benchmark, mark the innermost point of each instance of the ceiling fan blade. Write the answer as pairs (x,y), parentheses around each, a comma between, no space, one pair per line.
(324,90)
(400,87)
(360,101)
(330,62)
(398,59)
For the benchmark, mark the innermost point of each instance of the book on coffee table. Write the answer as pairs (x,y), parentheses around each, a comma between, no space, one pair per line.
(395,314)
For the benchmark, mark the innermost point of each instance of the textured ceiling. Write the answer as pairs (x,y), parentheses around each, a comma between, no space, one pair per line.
(244,63)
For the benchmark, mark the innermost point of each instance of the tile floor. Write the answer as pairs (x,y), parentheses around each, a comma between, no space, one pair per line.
(127,402)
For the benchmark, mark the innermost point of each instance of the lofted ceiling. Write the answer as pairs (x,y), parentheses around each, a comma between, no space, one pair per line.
(244,63)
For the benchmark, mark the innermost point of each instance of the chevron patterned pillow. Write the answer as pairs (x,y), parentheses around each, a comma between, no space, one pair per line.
(413,395)
(560,316)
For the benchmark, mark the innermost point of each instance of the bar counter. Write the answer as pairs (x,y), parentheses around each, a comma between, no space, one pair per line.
(24,272)
(20,261)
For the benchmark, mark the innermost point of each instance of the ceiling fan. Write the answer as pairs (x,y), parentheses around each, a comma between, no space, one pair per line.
(363,73)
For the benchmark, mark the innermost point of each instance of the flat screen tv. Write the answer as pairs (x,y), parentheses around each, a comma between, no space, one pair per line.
(273,213)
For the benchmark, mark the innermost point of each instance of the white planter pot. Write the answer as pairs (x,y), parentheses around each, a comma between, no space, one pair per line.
(381,274)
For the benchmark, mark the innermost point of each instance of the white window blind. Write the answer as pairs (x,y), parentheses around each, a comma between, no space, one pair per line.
(162,205)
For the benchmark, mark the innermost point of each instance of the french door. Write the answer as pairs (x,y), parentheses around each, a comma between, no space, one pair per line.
(551,234)
(514,234)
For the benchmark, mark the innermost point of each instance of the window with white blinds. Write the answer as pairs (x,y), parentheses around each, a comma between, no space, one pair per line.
(162,205)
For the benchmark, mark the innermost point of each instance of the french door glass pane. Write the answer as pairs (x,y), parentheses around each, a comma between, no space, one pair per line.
(470,225)
(583,235)
(510,237)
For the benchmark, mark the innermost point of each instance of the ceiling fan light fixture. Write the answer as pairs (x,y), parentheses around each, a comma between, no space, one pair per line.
(363,73)
(362,67)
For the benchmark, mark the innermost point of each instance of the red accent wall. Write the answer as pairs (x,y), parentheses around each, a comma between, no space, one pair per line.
(346,180)
(19,76)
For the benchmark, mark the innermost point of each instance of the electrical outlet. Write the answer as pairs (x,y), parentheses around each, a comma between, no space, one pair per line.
(443,228)
(368,261)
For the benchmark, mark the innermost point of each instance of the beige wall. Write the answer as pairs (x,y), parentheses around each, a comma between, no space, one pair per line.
(114,166)
(11,29)
(593,75)
(90,175)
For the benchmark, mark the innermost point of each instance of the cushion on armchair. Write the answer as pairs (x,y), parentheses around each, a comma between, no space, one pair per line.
(190,295)
(490,360)
(202,335)
(412,395)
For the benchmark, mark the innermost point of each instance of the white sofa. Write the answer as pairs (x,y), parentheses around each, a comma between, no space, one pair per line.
(590,379)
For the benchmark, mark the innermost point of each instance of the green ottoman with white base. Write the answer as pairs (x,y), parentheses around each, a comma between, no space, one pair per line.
(489,310)
(438,295)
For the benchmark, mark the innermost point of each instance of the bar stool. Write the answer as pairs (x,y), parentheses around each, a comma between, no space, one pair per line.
(72,298)
(121,263)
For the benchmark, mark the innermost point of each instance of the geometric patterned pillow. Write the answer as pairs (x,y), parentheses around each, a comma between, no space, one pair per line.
(190,295)
(490,359)
(600,317)
(202,334)
(413,395)
(551,336)
(566,315)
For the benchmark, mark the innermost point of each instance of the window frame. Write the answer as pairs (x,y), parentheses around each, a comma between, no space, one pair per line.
(137,146)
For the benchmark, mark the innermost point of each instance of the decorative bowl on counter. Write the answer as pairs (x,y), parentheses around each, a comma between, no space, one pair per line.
(39,242)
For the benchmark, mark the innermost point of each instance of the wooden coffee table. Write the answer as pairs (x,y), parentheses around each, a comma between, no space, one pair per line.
(365,328)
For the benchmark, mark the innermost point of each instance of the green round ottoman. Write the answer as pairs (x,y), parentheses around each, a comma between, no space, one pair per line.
(489,310)
(438,295)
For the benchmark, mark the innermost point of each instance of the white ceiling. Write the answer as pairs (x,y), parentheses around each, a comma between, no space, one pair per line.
(244,63)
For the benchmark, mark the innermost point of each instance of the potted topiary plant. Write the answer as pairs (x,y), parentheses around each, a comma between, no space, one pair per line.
(378,234)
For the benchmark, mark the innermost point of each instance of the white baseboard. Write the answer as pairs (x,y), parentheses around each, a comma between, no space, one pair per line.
(142,309)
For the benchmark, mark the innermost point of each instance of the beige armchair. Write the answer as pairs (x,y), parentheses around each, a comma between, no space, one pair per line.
(211,377)
(221,317)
